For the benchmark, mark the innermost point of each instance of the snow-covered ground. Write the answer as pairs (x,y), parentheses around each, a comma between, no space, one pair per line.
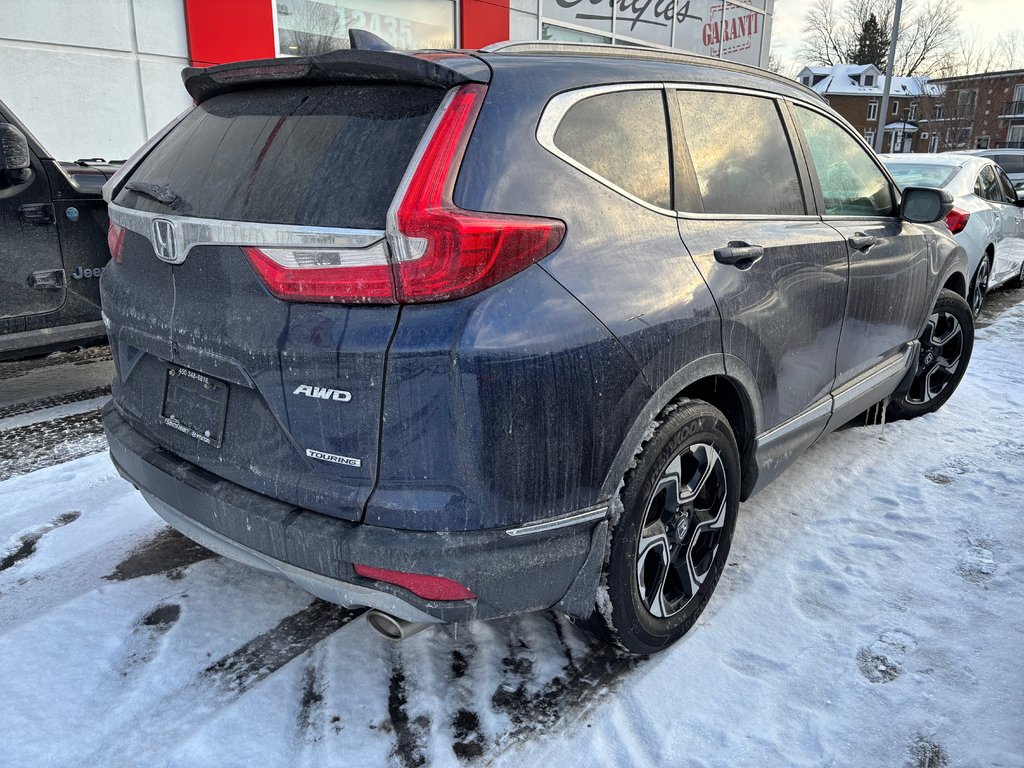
(872,615)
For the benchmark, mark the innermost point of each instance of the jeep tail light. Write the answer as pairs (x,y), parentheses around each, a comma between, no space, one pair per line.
(348,275)
(115,240)
(956,220)
(441,251)
(427,587)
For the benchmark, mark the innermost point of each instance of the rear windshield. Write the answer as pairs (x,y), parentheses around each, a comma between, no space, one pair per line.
(330,156)
(922,174)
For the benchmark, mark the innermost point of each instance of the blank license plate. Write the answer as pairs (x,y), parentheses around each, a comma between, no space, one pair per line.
(195,404)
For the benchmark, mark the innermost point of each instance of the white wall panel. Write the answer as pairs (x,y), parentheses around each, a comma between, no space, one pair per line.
(72,72)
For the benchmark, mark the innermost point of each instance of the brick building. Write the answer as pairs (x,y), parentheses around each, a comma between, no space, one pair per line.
(976,111)
(855,92)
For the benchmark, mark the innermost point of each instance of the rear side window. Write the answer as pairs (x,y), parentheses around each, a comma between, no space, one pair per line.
(623,138)
(741,156)
(987,186)
(851,182)
(1010,163)
(330,156)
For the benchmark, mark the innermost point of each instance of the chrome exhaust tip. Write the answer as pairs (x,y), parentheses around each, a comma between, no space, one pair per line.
(392,627)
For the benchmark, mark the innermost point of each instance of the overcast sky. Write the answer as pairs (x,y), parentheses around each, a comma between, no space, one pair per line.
(984,19)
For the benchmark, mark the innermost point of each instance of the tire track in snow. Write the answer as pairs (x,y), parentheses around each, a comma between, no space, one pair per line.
(167,552)
(81,356)
(50,402)
(131,733)
(27,544)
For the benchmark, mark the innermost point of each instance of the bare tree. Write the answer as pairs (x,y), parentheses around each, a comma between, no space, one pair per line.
(927,33)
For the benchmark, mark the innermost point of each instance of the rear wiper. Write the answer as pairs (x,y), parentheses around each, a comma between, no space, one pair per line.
(159,192)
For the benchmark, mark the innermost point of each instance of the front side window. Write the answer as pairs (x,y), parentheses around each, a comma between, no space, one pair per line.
(851,183)
(1009,193)
(741,156)
(623,138)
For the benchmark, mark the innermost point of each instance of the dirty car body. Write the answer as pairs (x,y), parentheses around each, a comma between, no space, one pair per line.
(394,333)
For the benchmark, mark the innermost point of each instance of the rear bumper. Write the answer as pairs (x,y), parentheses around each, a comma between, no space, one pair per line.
(540,567)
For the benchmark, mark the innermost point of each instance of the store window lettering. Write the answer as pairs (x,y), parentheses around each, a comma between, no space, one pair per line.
(635,11)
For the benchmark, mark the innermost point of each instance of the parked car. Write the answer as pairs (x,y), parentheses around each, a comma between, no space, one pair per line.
(987,218)
(1010,160)
(462,335)
(53,226)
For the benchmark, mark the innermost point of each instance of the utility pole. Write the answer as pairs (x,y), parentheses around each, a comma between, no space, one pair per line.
(884,114)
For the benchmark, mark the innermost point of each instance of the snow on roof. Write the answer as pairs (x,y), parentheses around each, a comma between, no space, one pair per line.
(905,127)
(846,80)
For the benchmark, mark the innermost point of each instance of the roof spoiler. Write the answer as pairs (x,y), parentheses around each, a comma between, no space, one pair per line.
(369,62)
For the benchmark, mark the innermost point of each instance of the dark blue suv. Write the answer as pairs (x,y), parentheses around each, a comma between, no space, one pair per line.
(456,335)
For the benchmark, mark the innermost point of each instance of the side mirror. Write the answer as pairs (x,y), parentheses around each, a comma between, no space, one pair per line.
(925,205)
(15,159)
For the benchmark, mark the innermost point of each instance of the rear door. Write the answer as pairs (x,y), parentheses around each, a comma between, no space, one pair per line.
(1013,225)
(283,397)
(890,263)
(1003,221)
(31,270)
(778,274)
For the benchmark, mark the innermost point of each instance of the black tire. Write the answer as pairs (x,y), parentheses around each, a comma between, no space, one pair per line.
(944,357)
(694,539)
(980,282)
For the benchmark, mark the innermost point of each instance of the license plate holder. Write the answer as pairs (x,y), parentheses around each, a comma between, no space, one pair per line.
(195,404)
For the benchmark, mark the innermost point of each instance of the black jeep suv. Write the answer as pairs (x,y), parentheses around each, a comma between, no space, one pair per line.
(53,226)
(457,335)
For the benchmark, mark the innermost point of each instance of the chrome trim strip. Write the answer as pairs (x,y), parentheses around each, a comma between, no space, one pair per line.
(576,518)
(556,109)
(816,411)
(894,367)
(187,232)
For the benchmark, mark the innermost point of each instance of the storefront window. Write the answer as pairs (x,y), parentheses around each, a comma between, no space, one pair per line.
(309,27)
(565,35)
(727,30)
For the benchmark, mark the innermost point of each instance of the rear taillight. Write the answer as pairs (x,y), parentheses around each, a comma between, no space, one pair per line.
(442,251)
(347,276)
(426,586)
(438,251)
(115,240)
(956,220)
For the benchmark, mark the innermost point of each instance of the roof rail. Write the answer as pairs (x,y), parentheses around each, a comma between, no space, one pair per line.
(637,52)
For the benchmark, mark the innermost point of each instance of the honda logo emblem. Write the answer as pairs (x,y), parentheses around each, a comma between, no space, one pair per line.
(164,242)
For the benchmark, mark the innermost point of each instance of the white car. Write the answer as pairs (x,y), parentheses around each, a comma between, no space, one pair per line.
(987,218)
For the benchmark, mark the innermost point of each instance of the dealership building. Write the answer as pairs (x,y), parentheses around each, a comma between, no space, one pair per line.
(95,79)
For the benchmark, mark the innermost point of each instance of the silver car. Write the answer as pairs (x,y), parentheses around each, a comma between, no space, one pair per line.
(987,218)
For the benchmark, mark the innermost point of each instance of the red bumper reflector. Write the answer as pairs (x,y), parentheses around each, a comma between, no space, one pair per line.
(420,584)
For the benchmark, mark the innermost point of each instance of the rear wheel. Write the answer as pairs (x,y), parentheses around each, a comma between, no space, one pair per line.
(979,286)
(671,543)
(946,345)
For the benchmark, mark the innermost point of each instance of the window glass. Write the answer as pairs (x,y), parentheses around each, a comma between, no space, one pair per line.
(320,155)
(310,27)
(740,153)
(623,138)
(922,174)
(989,185)
(1011,163)
(851,182)
(1009,193)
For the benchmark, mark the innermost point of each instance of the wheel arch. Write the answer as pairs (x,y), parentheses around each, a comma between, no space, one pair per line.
(721,381)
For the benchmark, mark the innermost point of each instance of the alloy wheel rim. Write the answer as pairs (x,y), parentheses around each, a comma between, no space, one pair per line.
(942,344)
(980,286)
(681,530)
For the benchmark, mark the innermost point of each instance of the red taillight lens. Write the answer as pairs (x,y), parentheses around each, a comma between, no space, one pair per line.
(438,250)
(342,276)
(445,252)
(956,220)
(427,587)
(115,240)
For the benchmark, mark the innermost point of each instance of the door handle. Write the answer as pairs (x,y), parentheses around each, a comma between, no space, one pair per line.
(862,242)
(739,254)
